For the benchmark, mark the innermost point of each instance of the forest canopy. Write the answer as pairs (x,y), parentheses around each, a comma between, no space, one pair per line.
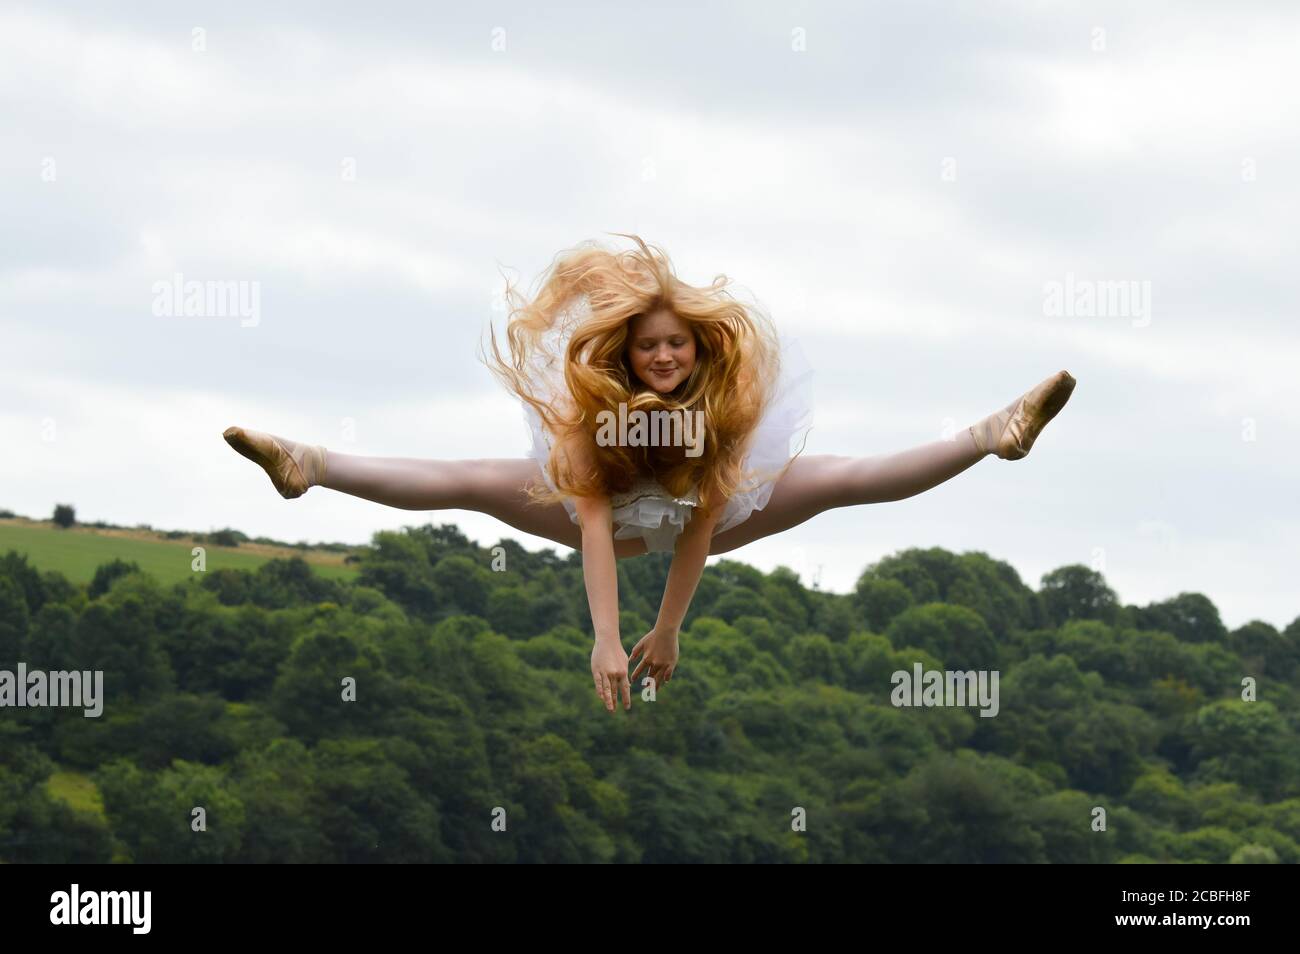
(439,708)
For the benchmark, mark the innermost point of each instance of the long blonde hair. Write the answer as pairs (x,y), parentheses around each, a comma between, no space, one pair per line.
(591,295)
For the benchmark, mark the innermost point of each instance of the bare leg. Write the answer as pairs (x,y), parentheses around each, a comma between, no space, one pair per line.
(812,485)
(494,486)
(815,484)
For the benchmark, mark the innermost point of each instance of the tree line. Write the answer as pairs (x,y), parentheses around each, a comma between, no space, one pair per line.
(439,709)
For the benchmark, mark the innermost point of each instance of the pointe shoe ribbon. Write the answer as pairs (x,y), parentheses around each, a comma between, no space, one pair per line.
(1011,432)
(292,467)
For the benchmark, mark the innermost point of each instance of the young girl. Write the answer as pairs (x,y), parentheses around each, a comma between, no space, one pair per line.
(610,334)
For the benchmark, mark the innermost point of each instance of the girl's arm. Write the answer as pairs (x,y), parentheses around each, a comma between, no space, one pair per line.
(595,517)
(689,555)
(659,646)
(608,660)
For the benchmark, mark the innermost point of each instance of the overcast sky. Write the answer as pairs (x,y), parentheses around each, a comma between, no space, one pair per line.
(900,185)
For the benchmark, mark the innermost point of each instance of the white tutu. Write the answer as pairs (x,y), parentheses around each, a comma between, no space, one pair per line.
(648,510)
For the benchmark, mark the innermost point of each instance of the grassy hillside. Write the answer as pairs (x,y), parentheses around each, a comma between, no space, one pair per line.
(77,551)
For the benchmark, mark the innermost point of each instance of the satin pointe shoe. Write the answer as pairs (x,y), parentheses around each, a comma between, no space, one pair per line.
(292,467)
(1011,432)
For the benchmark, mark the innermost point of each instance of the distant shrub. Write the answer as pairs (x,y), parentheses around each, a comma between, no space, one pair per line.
(107,573)
(225,538)
(65,515)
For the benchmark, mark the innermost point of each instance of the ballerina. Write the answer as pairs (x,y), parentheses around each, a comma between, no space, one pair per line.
(614,333)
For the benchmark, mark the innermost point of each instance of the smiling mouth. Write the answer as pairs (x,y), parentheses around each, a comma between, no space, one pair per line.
(668,371)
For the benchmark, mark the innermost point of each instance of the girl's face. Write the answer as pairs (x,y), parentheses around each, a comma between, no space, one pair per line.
(661,350)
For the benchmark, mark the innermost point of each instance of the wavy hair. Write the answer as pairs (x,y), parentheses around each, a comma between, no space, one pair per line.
(584,308)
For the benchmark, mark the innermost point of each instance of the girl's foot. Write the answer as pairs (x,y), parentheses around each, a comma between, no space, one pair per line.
(1011,432)
(292,467)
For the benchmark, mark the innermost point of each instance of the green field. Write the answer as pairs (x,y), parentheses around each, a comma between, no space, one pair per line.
(77,553)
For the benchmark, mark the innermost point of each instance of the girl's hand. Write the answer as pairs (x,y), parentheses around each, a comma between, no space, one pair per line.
(658,651)
(609,671)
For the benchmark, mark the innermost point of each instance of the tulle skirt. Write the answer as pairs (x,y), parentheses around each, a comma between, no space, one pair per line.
(648,510)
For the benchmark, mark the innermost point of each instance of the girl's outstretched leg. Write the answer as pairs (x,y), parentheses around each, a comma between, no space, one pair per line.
(405,482)
(815,484)
(494,486)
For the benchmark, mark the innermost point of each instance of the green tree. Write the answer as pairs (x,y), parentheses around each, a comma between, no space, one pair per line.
(1189,616)
(277,786)
(154,814)
(462,586)
(957,810)
(1076,592)
(1263,650)
(880,600)
(813,656)
(1244,742)
(14,623)
(35,590)
(954,634)
(571,816)
(1103,746)
(309,693)
(107,573)
(368,809)
(121,638)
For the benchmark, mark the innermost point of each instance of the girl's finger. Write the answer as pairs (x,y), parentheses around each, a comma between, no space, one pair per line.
(627,695)
(604,691)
